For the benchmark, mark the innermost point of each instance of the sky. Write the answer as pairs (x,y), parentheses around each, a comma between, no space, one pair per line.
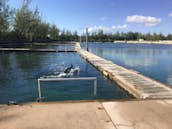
(145,16)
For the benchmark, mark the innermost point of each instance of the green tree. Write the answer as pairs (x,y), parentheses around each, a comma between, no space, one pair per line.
(54,32)
(42,31)
(117,36)
(100,35)
(169,37)
(110,37)
(5,16)
(75,36)
(28,24)
(155,36)
(23,20)
(161,36)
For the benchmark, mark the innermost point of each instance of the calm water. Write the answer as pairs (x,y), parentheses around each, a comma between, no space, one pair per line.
(41,46)
(19,73)
(154,61)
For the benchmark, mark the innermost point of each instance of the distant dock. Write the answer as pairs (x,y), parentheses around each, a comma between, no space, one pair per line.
(34,50)
(133,82)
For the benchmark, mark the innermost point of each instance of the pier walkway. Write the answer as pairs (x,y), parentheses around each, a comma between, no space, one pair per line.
(34,50)
(133,82)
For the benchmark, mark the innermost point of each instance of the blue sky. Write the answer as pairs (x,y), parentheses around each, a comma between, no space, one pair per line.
(110,15)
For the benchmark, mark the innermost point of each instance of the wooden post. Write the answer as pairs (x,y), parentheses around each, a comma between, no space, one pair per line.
(87,39)
(80,39)
(95,87)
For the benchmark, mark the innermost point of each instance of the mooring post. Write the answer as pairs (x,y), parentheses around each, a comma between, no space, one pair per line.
(95,87)
(80,40)
(87,39)
(39,89)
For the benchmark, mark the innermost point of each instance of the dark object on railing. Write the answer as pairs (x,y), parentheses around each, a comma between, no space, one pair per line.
(40,99)
(12,103)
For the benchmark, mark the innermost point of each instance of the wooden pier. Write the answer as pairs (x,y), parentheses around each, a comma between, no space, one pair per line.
(133,82)
(34,50)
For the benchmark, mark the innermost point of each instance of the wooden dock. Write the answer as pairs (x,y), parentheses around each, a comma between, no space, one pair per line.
(133,82)
(34,50)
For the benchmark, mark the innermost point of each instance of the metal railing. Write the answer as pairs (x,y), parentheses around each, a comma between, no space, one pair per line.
(64,79)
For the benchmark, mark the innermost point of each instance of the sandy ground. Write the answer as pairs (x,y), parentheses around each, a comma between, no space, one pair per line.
(149,114)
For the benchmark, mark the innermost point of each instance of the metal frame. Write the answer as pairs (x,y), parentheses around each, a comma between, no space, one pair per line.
(65,79)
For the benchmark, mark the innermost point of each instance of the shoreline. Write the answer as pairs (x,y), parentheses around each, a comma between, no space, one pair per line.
(168,42)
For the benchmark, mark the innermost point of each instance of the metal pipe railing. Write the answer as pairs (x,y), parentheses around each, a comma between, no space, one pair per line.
(65,79)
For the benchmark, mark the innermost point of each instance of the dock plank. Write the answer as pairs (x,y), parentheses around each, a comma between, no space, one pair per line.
(132,81)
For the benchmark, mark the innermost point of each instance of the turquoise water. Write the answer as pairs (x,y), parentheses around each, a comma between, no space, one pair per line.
(151,60)
(19,72)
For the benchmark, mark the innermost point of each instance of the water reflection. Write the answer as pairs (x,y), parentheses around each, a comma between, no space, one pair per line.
(19,73)
(152,60)
(40,46)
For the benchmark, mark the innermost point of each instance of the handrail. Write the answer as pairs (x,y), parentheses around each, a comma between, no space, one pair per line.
(65,79)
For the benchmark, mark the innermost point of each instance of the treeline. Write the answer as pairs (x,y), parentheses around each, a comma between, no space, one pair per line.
(100,36)
(26,25)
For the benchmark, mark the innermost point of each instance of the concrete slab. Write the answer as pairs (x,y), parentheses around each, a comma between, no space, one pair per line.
(85,115)
(149,114)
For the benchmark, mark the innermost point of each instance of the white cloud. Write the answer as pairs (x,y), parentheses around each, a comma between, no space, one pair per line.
(146,20)
(170,14)
(107,29)
(120,26)
(95,28)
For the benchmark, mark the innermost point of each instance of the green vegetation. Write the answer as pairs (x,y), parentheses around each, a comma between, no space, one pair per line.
(110,37)
(26,25)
